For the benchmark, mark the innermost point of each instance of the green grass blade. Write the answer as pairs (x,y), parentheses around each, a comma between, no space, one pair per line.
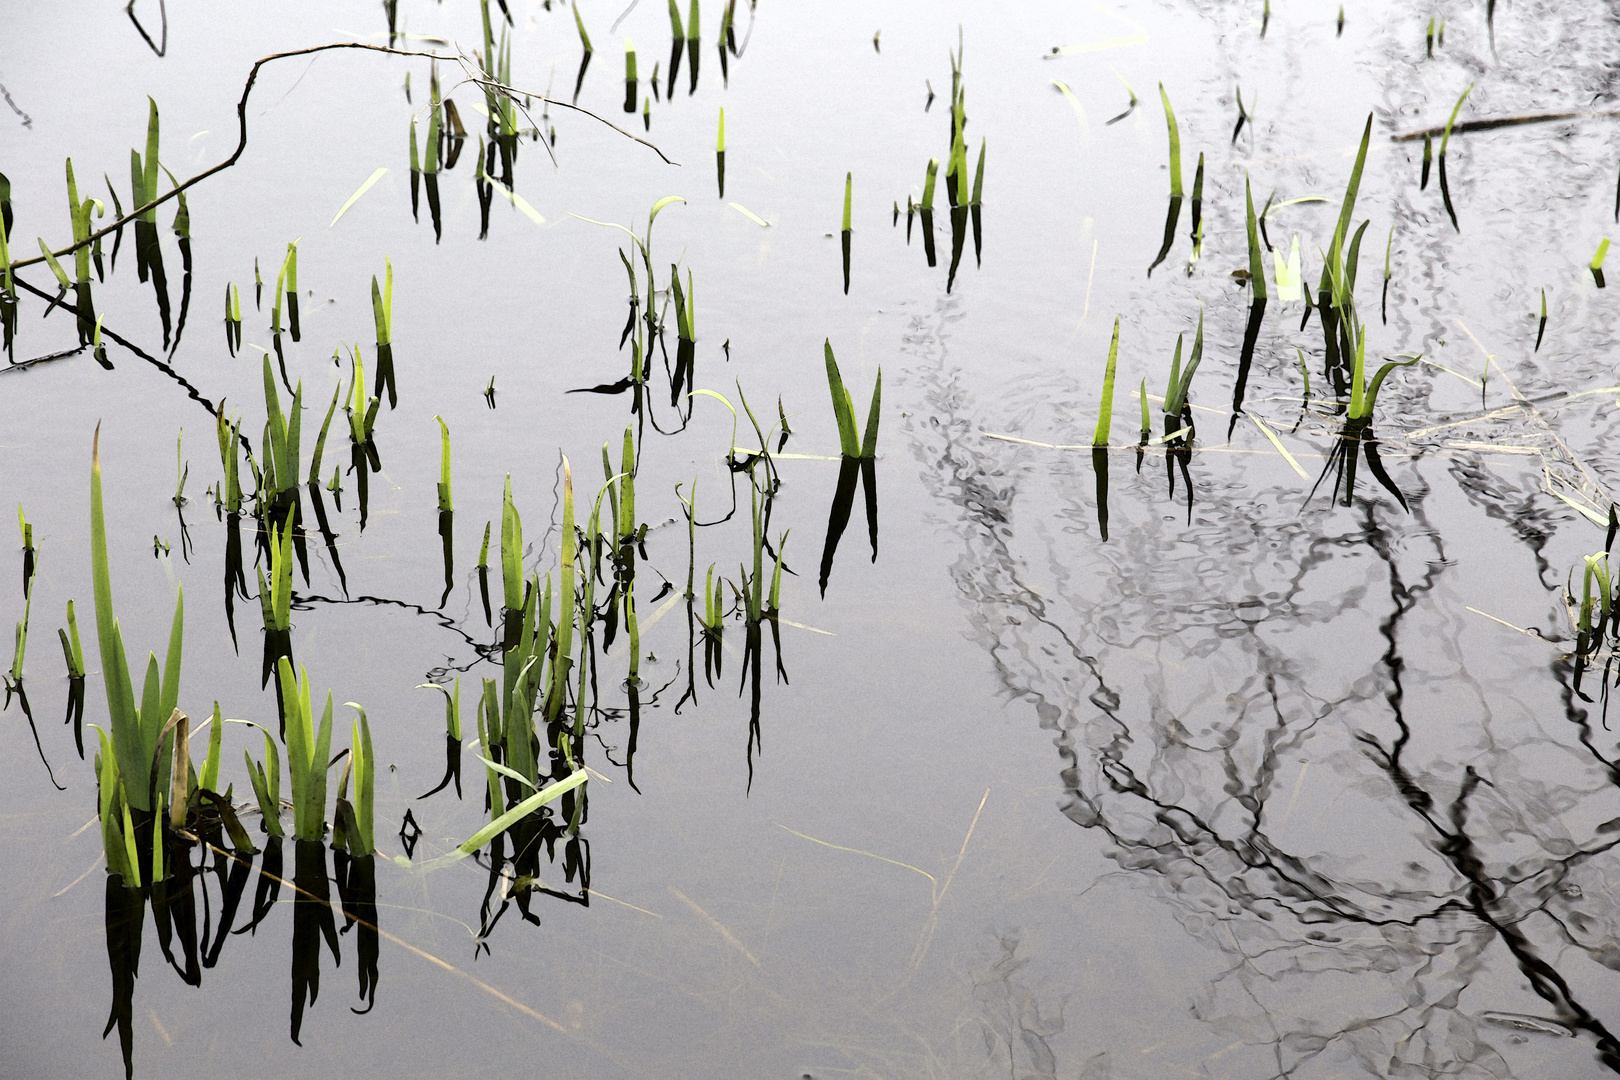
(522,810)
(320,440)
(869,442)
(579,23)
(1348,208)
(1172,390)
(109,641)
(1257,266)
(56,267)
(365,798)
(1099,437)
(208,779)
(376,175)
(1352,259)
(842,412)
(565,614)
(1175,144)
(1378,381)
(849,183)
(511,550)
(1445,139)
(170,694)
(446,505)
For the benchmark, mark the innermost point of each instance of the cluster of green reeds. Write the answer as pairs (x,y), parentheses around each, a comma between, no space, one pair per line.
(522,718)
(148,788)
(963,199)
(143,768)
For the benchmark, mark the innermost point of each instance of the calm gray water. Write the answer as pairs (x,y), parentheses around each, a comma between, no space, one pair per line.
(1265,785)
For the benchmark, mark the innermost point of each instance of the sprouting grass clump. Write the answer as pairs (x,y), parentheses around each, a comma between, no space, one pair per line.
(844,411)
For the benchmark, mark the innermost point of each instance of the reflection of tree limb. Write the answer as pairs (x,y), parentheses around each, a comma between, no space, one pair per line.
(302,601)
(1504,121)
(191,391)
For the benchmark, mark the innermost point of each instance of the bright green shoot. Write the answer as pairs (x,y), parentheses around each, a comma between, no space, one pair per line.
(1105,417)
(849,181)
(1600,599)
(446,505)
(71,649)
(1175,144)
(136,730)
(382,305)
(275,593)
(281,435)
(1363,397)
(511,550)
(208,779)
(579,24)
(1445,139)
(844,411)
(308,749)
(358,832)
(314,476)
(1175,394)
(266,781)
(1257,265)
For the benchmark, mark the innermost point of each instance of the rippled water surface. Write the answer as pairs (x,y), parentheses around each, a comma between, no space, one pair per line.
(1207,756)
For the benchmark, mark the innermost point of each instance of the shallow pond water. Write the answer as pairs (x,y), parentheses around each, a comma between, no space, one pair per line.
(1201,758)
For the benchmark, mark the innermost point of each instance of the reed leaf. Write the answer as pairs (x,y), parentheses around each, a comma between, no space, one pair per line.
(446,505)
(364,769)
(1105,416)
(1175,144)
(843,407)
(1257,265)
(123,716)
(579,24)
(522,810)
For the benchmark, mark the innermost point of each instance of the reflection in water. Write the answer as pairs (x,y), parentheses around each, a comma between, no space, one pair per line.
(357,887)
(192,940)
(1099,467)
(1276,765)
(1251,334)
(843,503)
(1172,215)
(959,221)
(312,922)
(1341,462)
(125,926)
(447,536)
